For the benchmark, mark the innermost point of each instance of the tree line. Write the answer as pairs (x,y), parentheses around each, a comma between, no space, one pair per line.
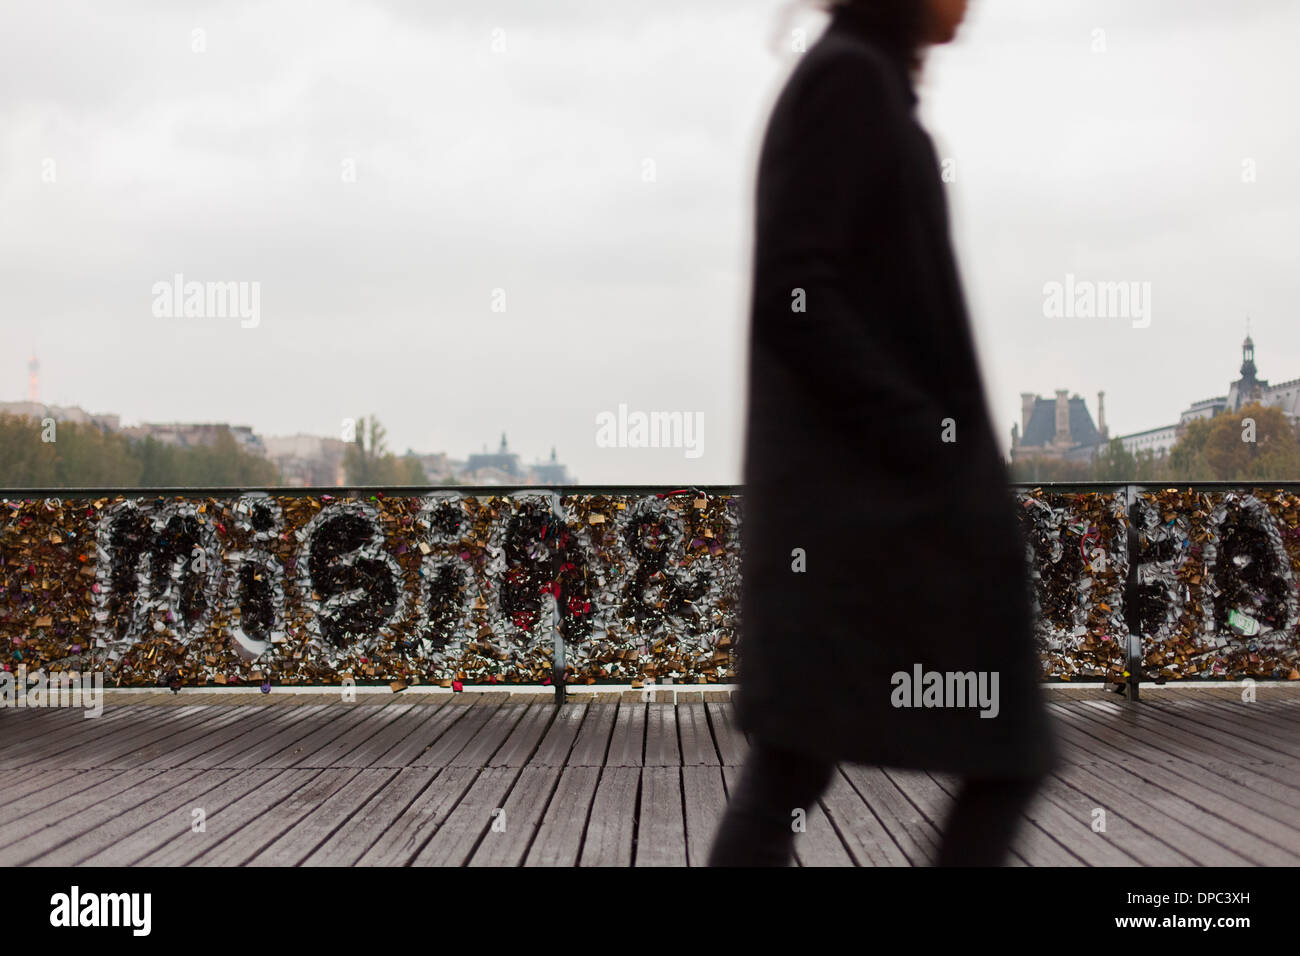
(73,455)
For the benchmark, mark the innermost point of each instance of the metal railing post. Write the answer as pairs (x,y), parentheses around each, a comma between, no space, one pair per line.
(1133,652)
(557,644)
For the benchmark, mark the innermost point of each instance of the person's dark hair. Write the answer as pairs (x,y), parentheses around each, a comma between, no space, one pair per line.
(898,25)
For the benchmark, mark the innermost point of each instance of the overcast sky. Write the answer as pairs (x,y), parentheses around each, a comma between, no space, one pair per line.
(127,156)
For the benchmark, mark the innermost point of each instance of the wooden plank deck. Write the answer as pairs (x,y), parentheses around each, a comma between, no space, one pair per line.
(1188,776)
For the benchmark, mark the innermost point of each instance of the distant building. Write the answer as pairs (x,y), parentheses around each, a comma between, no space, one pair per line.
(307,461)
(1249,388)
(1205,408)
(438,468)
(1059,428)
(1246,389)
(502,464)
(61,413)
(551,472)
(503,467)
(197,435)
(1158,441)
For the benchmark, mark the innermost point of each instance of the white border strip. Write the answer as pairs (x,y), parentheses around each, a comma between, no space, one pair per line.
(575,689)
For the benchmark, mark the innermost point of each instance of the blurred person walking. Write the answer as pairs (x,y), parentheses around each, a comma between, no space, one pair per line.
(884,573)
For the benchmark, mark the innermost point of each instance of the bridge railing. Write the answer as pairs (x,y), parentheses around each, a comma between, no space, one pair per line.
(456,585)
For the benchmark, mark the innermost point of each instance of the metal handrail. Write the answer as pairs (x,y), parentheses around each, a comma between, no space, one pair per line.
(566,489)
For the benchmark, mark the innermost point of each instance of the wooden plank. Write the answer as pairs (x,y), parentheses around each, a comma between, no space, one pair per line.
(38,789)
(1276,714)
(22,726)
(274,721)
(414,826)
(593,737)
(1242,723)
(1182,781)
(1075,832)
(177,827)
(360,747)
(162,751)
(559,836)
(368,824)
(107,832)
(1121,834)
(696,736)
(97,820)
(863,834)
(334,752)
(260,751)
(524,739)
(331,726)
(245,720)
(507,840)
(1284,701)
(705,799)
(1155,812)
(235,803)
(610,830)
(66,798)
(47,747)
(916,836)
(1030,845)
(1275,711)
(924,793)
(1193,733)
(627,742)
(1191,741)
(455,840)
(418,731)
(326,822)
(263,826)
(818,843)
(554,749)
(315,732)
(661,828)
(731,743)
(661,747)
(1233,719)
(19,787)
(1257,837)
(1190,744)
(463,735)
(147,729)
(1242,786)
(380,739)
(491,736)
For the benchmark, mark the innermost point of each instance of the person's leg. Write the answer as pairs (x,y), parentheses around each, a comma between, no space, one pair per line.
(984,821)
(757,828)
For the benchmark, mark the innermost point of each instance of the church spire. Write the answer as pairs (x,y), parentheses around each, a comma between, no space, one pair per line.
(1248,388)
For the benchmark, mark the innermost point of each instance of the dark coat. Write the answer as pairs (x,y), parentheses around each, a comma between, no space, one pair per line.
(913,553)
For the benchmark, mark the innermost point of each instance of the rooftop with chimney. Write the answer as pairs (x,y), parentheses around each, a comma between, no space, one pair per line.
(1059,427)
